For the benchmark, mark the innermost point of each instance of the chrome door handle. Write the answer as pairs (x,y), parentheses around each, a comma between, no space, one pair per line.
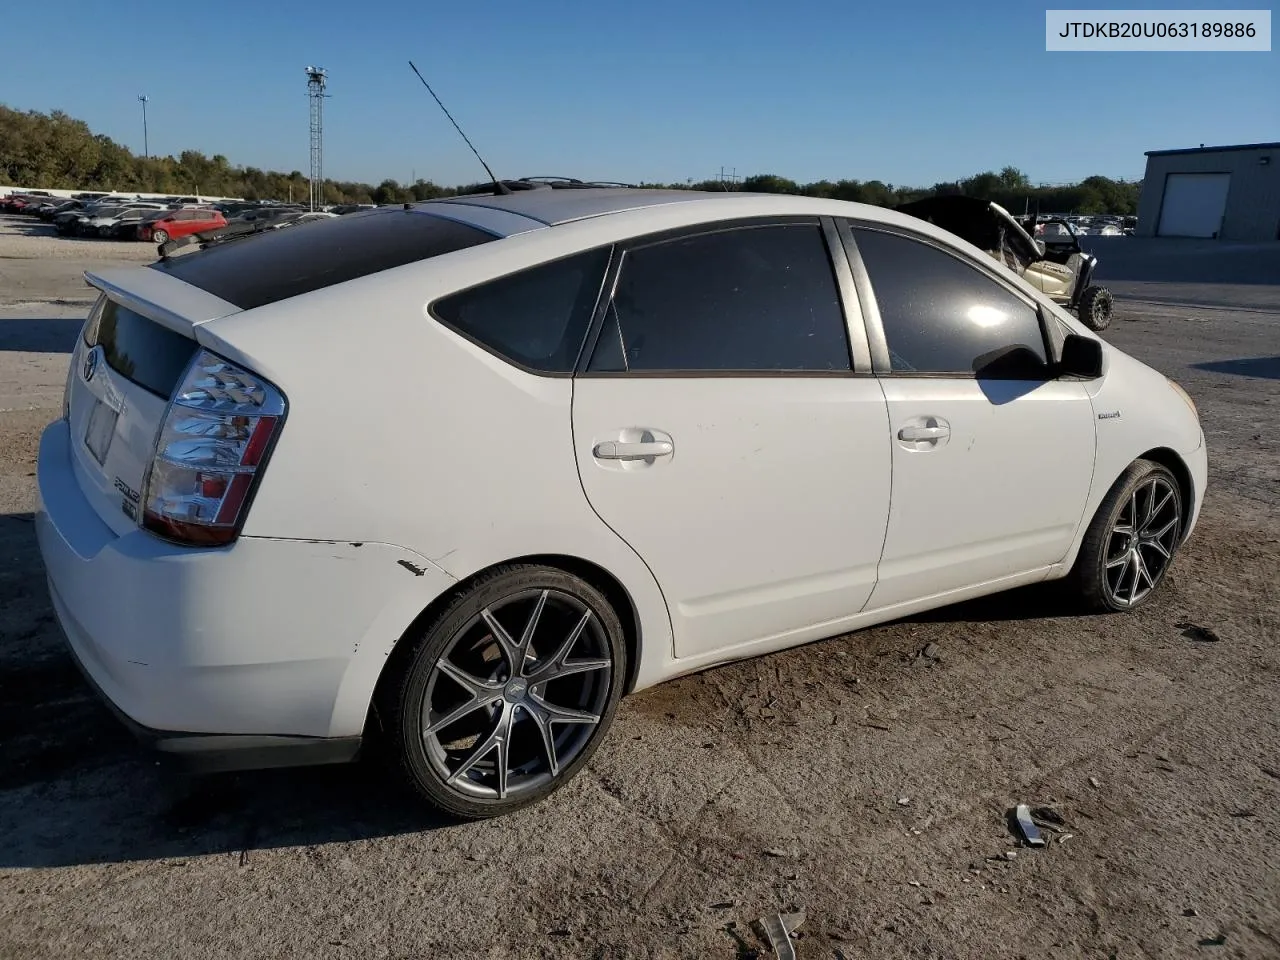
(620,450)
(916,434)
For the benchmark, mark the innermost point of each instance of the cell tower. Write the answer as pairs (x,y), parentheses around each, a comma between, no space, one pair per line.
(316,78)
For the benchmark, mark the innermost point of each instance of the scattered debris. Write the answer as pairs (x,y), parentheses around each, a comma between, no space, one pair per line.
(1193,631)
(904,801)
(778,929)
(1217,941)
(1065,837)
(1095,782)
(931,652)
(1190,912)
(914,883)
(877,726)
(1011,854)
(1026,826)
(776,852)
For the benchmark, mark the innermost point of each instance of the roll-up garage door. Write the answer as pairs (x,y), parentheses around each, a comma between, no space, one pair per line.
(1193,204)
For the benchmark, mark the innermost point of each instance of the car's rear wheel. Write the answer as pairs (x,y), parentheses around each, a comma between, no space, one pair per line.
(160,236)
(1130,545)
(1095,308)
(508,692)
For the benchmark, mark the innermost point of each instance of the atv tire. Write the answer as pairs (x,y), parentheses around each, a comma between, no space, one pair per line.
(1095,308)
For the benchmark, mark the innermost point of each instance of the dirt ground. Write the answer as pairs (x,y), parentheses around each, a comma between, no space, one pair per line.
(857,778)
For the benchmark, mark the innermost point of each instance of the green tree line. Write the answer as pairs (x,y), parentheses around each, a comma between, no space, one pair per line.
(56,151)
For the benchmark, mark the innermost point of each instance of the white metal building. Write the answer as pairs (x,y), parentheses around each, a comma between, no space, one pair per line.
(1231,193)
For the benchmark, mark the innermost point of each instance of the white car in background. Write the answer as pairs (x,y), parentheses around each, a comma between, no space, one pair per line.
(461,474)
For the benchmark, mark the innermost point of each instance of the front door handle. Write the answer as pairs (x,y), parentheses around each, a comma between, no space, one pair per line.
(918,434)
(640,450)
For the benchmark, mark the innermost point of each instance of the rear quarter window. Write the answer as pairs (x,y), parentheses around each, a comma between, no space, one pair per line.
(536,318)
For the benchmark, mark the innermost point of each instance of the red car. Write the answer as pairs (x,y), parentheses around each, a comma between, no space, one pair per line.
(181,223)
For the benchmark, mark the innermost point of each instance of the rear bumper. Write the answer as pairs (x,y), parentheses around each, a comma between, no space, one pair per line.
(263,649)
(217,753)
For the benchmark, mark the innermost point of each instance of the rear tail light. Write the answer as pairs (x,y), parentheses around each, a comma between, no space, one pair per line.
(212,447)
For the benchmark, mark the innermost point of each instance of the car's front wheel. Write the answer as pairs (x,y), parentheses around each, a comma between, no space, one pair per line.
(1131,542)
(160,236)
(508,692)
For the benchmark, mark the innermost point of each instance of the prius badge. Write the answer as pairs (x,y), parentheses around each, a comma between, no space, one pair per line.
(90,365)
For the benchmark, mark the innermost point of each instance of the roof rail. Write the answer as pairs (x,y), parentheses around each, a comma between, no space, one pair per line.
(547,183)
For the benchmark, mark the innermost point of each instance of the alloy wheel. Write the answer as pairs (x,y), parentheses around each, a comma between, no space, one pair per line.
(1141,542)
(516,695)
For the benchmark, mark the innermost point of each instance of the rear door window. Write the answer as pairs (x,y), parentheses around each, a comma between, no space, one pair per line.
(750,298)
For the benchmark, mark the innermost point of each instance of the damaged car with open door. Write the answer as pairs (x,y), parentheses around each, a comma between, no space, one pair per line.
(1062,270)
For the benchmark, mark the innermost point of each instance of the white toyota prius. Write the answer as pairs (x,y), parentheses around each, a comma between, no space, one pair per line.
(461,474)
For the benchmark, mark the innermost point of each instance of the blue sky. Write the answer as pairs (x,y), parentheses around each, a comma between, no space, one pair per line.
(909,93)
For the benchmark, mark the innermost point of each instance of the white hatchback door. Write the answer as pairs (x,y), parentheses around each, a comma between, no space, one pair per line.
(992,453)
(722,431)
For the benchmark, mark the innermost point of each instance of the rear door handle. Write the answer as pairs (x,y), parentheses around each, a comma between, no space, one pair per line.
(641,450)
(918,434)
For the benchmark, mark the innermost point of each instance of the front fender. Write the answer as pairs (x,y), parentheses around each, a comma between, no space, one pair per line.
(1139,413)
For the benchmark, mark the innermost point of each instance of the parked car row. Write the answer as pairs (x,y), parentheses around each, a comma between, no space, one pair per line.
(1069,226)
(115,217)
(135,220)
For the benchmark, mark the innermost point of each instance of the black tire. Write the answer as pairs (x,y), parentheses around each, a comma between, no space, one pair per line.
(1099,574)
(1095,308)
(160,236)
(408,702)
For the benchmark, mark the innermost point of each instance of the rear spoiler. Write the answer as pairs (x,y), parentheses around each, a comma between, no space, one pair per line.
(156,295)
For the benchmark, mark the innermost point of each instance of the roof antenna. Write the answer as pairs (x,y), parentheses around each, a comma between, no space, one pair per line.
(498,185)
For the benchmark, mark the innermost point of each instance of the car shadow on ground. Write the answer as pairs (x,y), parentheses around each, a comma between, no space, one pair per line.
(42,335)
(1039,601)
(76,788)
(33,227)
(1265,368)
(29,227)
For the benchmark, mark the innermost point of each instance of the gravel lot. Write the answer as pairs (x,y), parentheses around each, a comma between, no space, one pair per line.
(854,778)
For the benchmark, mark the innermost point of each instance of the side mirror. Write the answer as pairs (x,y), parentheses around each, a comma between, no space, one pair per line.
(1081,357)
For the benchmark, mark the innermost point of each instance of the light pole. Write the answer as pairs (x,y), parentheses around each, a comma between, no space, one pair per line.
(146,147)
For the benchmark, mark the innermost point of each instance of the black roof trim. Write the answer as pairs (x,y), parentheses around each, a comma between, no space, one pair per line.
(1232,147)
